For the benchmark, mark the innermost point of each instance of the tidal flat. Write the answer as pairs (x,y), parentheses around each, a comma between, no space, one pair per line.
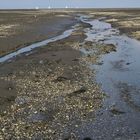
(56,90)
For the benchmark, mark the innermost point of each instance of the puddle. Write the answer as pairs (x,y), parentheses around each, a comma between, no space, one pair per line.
(119,77)
(29,48)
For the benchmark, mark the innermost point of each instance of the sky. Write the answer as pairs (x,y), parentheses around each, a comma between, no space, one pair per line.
(17,4)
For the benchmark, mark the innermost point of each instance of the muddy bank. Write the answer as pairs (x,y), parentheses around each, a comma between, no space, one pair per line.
(56,92)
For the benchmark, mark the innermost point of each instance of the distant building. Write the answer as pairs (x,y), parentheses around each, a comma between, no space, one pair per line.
(66,7)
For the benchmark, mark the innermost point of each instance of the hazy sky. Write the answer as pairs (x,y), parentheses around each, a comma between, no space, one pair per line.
(70,3)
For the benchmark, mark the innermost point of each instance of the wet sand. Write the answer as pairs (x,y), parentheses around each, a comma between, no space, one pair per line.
(52,93)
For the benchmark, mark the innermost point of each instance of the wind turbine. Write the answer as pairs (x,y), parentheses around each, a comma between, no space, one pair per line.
(49,7)
(36,7)
(66,4)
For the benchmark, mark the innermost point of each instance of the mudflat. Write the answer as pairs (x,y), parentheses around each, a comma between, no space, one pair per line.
(52,92)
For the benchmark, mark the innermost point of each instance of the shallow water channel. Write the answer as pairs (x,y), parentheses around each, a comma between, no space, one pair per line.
(28,49)
(119,77)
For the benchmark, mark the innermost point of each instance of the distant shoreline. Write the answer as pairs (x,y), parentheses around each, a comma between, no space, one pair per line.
(96,9)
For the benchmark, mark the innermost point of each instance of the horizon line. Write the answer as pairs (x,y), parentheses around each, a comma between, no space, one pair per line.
(49,8)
